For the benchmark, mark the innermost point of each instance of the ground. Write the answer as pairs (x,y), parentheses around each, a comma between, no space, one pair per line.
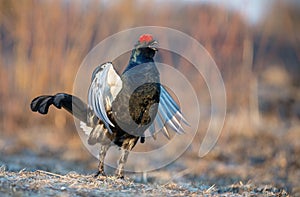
(240,165)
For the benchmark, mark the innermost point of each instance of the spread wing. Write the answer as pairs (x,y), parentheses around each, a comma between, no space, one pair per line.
(168,114)
(105,86)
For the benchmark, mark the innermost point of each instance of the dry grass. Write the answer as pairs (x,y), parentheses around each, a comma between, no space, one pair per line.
(47,183)
(44,43)
(259,164)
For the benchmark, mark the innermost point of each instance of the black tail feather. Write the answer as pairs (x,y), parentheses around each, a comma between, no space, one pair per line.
(41,104)
(71,103)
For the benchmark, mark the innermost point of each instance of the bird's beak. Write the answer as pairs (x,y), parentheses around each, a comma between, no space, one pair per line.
(153,45)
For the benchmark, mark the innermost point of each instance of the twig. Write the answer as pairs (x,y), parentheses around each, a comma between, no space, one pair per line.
(51,173)
(209,189)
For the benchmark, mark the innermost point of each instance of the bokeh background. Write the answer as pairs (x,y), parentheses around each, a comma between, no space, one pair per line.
(256,45)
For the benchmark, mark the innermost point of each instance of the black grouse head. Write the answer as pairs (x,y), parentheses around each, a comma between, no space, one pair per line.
(146,46)
(143,52)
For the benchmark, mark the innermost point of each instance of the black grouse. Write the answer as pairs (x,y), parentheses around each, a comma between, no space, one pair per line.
(121,108)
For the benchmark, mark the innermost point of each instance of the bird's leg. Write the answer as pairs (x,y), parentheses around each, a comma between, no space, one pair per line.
(121,163)
(102,153)
(127,145)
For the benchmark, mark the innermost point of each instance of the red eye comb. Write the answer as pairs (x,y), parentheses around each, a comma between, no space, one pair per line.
(146,38)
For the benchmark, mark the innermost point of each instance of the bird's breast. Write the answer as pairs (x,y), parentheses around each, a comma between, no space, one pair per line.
(135,107)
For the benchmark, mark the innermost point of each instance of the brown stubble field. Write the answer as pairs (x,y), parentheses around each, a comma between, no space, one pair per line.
(42,44)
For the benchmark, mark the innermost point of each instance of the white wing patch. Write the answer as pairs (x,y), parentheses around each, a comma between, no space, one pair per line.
(103,90)
(168,114)
(86,129)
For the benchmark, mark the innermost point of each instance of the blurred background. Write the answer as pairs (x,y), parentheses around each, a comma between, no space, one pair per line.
(256,45)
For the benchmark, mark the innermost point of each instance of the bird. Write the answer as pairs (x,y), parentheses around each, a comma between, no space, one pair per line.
(120,108)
